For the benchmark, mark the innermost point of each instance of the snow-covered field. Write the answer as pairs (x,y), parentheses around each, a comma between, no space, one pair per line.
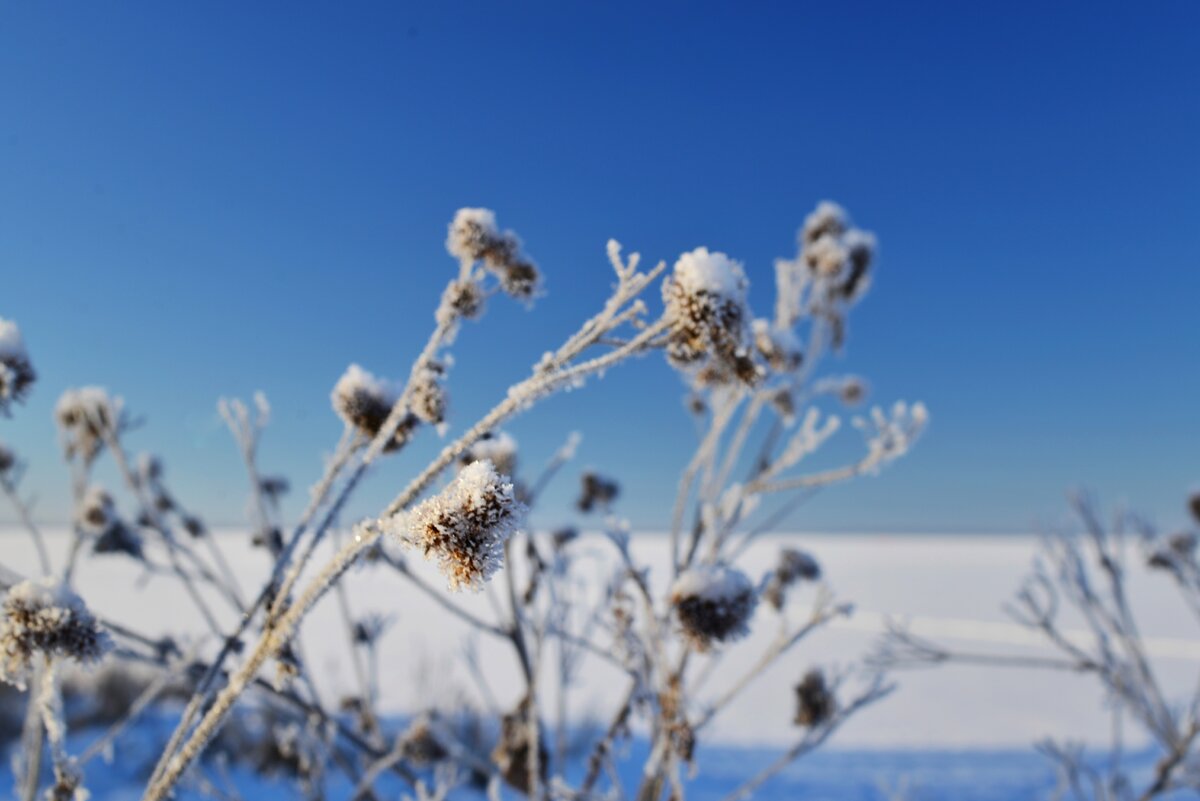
(977,721)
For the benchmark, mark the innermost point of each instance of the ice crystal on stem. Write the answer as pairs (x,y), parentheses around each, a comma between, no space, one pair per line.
(465,526)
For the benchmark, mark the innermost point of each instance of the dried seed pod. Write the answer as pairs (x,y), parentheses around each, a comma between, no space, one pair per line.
(48,619)
(465,526)
(714,604)
(16,371)
(815,703)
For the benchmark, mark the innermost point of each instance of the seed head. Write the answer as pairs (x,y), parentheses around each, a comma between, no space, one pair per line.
(474,237)
(596,491)
(512,752)
(815,704)
(364,402)
(427,396)
(714,603)
(48,619)
(85,416)
(465,526)
(705,299)
(837,254)
(794,566)
(16,372)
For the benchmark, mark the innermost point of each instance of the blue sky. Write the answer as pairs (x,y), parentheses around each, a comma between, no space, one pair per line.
(200,200)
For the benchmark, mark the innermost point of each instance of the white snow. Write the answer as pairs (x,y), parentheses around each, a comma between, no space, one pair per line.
(952,588)
(714,273)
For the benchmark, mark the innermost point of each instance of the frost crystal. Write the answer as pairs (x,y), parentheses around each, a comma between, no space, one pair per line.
(713,603)
(16,371)
(39,617)
(465,526)
(705,300)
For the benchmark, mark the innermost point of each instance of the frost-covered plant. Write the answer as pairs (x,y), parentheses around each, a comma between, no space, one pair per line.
(761,414)
(1084,575)
(465,526)
(46,620)
(16,371)
(713,604)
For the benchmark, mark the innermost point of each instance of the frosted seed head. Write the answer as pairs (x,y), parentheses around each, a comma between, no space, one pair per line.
(793,567)
(16,371)
(96,511)
(471,234)
(714,604)
(365,402)
(427,396)
(465,526)
(85,416)
(40,617)
(463,299)
(705,300)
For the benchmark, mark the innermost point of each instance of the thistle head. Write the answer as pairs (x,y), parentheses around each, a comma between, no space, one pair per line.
(16,371)
(465,526)
(596,491)
(41,618)
(86,417)
(837,254)
(815,703)
(793,567)
(705,299)
(474,237)
(714,604)
(364,402)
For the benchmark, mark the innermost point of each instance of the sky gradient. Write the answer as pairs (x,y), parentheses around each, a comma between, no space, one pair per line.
(206,200)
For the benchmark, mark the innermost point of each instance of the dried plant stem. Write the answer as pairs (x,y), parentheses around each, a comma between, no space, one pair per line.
(10,491)
(284,627)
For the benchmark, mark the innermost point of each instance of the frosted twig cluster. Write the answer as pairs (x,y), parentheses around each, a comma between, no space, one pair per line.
(1084,575)
(763,417)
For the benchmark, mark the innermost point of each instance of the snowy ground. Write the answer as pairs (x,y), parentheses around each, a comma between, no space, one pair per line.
(938,723)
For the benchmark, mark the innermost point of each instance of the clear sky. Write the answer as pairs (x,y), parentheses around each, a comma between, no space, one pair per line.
(205,199)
